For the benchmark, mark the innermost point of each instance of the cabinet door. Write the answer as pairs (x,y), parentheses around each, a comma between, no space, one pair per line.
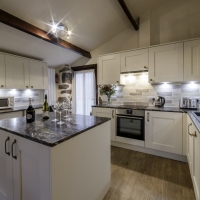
(134,60)
(31,171)
(196,162)
(108,69)
(38,75)
(192,60)
(190,143)
(2,71)
(6,185)
(109,113)
(17,72)
(166,63)
(163,131)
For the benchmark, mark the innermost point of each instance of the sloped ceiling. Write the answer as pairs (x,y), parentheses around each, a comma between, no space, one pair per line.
(92,22)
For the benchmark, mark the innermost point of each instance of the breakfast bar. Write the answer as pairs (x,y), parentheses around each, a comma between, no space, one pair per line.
(41,161)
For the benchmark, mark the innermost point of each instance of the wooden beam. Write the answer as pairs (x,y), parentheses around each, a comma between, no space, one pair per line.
(128,14)
(21,25)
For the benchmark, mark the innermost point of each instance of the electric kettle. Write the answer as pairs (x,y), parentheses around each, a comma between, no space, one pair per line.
(159,101)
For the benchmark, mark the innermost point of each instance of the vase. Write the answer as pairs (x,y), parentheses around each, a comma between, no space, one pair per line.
(109,101)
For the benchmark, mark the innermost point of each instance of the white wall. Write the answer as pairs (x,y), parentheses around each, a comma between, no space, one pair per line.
(128,39)
(174,21)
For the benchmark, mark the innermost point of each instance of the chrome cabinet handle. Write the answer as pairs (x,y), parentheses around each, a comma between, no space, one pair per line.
(195,134)
(151,79)
(31,86)
(26,86)
(148,117)
(145,67)
(189,129)
(113,114)
(15,157)
(2,86)
(8,153)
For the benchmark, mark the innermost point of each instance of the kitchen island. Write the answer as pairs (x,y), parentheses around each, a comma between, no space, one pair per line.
(40,161)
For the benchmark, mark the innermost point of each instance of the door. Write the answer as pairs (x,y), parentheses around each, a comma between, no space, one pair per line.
(196,162)
(31,174)
(17,72)
(134,60)
(2,71)
(166,63)
(109,113)
(190,143)
(6,186)
(164,131)
(38,75)
(192,60)
(109,69)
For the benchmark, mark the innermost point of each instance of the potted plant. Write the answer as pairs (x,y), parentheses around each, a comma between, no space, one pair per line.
(107,90)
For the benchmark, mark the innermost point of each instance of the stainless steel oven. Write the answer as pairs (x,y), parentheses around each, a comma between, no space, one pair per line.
(130,123)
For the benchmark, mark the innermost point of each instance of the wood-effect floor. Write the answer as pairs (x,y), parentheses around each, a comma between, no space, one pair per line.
(139,176)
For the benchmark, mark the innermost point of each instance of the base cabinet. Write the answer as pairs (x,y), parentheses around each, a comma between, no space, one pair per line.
(163,131)
(193,149)
(110,113)
(23,169)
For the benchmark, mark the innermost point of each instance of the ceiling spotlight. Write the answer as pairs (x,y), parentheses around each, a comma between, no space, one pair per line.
(57,27)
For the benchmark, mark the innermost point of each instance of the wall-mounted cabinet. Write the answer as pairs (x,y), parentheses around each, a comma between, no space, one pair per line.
(17,72)
(22,73)
(38,75)
(2,71)
(134,60)
(108,69)
(192,60)
(166,63)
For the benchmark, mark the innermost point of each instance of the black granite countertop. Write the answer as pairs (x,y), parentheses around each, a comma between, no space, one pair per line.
(47,132)
(150,108)
(20,108)
(195,120)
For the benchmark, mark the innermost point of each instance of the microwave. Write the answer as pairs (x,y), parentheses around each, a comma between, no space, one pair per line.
(6,102)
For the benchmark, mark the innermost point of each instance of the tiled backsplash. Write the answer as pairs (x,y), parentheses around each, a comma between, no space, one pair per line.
(137,91)
(22,96)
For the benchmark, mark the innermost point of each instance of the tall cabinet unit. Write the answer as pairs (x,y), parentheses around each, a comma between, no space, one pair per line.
(17,72)
(134,60)
(192,60)
(109,69)
(2,71)
(166,63)
(193,148)
(109,113)
(163,131)
(38,75)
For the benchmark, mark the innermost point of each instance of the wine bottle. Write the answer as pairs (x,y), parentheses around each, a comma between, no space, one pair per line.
(30,112)
(45,109)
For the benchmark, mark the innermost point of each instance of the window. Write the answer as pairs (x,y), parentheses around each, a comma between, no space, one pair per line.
(84,93)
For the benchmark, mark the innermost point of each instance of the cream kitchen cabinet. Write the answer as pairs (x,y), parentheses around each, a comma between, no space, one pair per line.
(23,168)
(109,69)
(2,71)
(134,60)
(193,148)
(22,73)
(163,131)
(192,60)
(38,75)
(109,113)
(166,63)
(17,72)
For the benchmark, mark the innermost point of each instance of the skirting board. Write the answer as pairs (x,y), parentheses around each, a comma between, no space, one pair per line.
(150,151)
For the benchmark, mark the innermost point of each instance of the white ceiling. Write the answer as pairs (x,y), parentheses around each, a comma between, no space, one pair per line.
(93,22)
(17,42)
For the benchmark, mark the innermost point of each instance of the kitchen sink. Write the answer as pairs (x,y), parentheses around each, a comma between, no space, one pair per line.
(197,114)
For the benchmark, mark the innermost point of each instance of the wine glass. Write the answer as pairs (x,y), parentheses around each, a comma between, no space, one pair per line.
(60,109)
(54,108)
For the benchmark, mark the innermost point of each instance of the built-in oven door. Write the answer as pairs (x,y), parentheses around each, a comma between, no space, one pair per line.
(130,127)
